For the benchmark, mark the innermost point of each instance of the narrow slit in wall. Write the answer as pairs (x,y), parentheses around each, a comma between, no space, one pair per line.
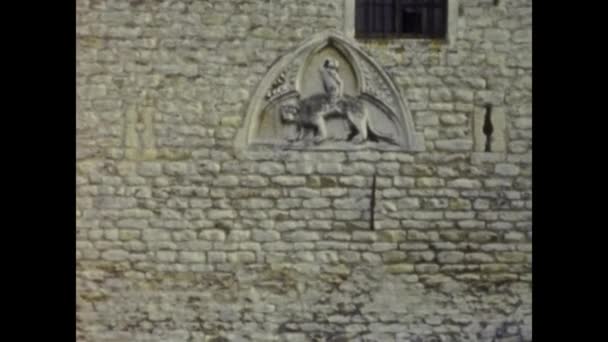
(488,128)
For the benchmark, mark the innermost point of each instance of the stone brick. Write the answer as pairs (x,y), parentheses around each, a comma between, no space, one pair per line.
(289,180)
(371,258)
(115,202)
(299,168)
(464,184)
(370,156)
(413,246)
(356,181)
(155,235)
(226,181)
(500,247)
(253,181)
(265,235)
(435,203)
(481,204)
(349,257)
(391,235)
(426,268)
(219,214)
(479,258)
(511,257)
(364,236)
(464,95)
(271,169)
(514,236)
(425,256)
(494,268)
(149,169)
(333,192)
(132,224)
(289,203)
(351,203)
(440,94)
(471,224)
(497,183)
(255,203)
(115,255)
(394,256)
(428,215)
(388,169)
(129,234)
(454,145)
(506,169)
(429,182)
(238,235)
(404,182)
(450,257)
(459,204)
(216,257)
(212,235)
(316,203)
(361,169)
(399,268)
(177,169)
(331,168)
(500,225)
(414,235)
(241,257)
(301,236)
(383,246)
(327,257)
(192,257)
(522,36)
(166,256)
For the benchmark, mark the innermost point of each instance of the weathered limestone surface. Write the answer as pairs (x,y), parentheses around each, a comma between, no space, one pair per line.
(180,237)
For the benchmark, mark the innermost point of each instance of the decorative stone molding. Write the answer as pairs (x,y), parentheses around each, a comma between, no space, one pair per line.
(328,94)
(139,137)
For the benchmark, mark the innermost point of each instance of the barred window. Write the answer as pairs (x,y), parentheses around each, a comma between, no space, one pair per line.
(401,18)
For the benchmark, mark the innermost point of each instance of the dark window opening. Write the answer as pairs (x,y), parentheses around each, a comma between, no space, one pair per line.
(412,22)
(401,18)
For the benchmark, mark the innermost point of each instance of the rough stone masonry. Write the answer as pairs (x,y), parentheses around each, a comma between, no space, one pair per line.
(180,237)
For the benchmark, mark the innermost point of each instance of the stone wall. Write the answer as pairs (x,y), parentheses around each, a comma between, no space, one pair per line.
(180,237)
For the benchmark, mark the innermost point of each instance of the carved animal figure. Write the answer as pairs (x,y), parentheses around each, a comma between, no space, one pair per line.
(310,114)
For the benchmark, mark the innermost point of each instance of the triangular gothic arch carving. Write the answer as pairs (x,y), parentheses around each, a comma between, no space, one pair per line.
(367,112)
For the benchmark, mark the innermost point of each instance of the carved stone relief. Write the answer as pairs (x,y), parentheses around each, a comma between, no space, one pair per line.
(328,95)
(139,133)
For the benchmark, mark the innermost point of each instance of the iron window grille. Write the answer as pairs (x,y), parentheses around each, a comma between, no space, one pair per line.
(401,19)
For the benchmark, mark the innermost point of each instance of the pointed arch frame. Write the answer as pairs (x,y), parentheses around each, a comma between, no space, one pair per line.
(348,47)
